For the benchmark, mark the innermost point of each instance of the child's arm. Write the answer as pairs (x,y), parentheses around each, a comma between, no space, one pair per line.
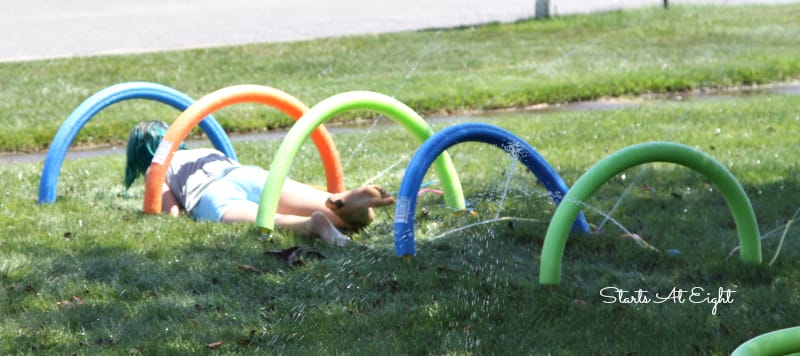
(169,204)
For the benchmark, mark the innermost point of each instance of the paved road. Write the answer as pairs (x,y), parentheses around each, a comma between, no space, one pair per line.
(38,29)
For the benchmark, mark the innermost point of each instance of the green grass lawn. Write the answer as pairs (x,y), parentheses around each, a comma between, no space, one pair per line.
(91,273)
(436,71)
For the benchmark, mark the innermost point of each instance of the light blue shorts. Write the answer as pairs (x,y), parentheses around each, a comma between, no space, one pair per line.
(242,185)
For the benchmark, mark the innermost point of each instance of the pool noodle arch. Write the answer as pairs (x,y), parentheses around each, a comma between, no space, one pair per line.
(743,215)
(779,342)
(246,93)
(448,137)
(102,99)
(325,110)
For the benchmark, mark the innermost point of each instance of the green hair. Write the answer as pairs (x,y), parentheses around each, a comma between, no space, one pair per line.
(143,142)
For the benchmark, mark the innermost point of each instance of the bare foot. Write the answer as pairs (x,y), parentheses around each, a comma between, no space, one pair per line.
(354,206)
(322,227)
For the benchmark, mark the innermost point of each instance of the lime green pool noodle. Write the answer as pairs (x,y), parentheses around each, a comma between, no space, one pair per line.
(556,239)
(779,342)
(325,110)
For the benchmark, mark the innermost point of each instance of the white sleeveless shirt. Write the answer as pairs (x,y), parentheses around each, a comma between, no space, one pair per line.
(191,171)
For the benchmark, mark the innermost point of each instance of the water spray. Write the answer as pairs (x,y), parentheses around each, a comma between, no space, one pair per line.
(325,110)
(219,99)
(743,215)
(444,139)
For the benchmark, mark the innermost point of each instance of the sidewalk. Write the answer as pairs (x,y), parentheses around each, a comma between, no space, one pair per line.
(39,29)
(36,29)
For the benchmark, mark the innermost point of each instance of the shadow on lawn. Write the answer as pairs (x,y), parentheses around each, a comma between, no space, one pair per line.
(471,291)
(101,295)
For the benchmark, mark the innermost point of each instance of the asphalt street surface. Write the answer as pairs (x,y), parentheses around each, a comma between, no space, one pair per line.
(40,29)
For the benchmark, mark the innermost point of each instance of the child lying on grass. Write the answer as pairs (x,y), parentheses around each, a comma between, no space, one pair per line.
(212,187)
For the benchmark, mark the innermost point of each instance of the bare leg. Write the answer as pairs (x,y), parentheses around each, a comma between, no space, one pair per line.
(322,227)
(317,224)
(346,210)
(354,209)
